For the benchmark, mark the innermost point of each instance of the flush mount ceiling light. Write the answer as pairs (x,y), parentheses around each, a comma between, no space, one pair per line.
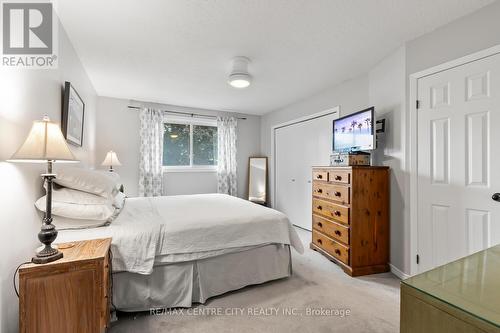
(239,77)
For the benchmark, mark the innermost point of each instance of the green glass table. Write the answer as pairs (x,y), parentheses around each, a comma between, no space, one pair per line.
(466,291)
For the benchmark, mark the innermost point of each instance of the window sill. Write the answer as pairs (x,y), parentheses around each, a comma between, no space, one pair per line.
(175,170)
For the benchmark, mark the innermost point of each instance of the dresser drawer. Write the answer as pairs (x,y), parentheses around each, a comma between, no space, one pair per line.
(331,210)
(340,176)
(320,175)
(338,193)
(337,250)
(331,229)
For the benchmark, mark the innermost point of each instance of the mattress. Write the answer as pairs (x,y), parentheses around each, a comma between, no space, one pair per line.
(176,229)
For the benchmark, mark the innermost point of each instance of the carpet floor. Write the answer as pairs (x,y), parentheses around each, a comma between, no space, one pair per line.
(319,297)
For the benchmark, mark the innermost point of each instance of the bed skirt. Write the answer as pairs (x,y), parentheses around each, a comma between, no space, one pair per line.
(185,283)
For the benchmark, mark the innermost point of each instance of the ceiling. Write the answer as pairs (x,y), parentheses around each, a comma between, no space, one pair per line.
(179,51)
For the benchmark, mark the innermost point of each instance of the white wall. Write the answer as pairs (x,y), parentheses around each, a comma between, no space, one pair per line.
(118,130)
(26,95)
(351,95)
(469,34)
(386,91)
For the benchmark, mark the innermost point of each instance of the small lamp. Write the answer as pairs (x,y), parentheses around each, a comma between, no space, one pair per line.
(45,143)
(111,160)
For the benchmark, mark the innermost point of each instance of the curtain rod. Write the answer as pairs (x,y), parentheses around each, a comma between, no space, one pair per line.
(185,113)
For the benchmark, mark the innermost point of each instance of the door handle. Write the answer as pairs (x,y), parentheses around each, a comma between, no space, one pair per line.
(496,196)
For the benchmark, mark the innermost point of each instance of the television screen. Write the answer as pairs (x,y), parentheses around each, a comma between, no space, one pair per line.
(354,132)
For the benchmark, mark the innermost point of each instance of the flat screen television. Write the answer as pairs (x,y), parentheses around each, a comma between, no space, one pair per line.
(354,132)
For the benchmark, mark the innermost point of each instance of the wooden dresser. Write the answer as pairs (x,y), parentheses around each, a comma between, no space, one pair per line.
(68,295)
(350,216)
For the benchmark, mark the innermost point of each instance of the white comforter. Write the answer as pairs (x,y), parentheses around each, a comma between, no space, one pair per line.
(187,227)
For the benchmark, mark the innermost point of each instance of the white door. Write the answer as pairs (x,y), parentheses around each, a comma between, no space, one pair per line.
(458,162)
(286,183)
(298,147)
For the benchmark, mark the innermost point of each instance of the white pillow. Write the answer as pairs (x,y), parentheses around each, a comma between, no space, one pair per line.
(119,200)
(68,195)
(65,223)
(99,212)
(90,181)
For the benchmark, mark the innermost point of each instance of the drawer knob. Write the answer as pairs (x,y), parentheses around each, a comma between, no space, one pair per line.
(337,194)
(319,176)
(337,177)
(320,224)
(336,213)
(319,208)
(320,241)
(338,233)
(320,190)
(337,251)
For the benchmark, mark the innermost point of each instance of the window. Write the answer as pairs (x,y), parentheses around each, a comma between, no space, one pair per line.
(189,144)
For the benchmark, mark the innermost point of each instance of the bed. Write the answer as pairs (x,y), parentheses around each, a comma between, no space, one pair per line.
(178,250)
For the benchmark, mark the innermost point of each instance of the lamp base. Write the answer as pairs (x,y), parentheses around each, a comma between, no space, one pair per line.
(48,254)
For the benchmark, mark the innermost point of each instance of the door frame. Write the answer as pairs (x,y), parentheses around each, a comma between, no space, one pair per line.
(320,114)
(413,157)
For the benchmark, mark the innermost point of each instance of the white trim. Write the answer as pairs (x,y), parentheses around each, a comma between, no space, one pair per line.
(172,169)
(413,162)
(399,273)
(458,62)
(335,109)
(306,118)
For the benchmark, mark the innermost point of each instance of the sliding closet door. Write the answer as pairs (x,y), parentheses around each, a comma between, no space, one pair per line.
(298,147)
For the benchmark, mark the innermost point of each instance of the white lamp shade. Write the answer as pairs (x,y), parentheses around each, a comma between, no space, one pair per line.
(45,142)
(111,159)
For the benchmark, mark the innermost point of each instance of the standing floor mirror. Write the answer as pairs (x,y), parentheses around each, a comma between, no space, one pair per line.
(257,180)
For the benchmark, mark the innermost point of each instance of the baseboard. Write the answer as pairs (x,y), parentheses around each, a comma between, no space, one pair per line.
(398,272)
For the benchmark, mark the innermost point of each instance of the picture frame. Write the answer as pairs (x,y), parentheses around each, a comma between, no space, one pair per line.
(73,115)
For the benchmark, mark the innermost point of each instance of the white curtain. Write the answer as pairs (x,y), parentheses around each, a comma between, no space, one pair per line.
(151,153)
(226,169)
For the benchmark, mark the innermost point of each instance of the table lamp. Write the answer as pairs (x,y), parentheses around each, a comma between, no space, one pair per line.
(110,160)
(45,144)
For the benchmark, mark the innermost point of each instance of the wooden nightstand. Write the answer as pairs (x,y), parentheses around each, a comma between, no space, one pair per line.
(68,295)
